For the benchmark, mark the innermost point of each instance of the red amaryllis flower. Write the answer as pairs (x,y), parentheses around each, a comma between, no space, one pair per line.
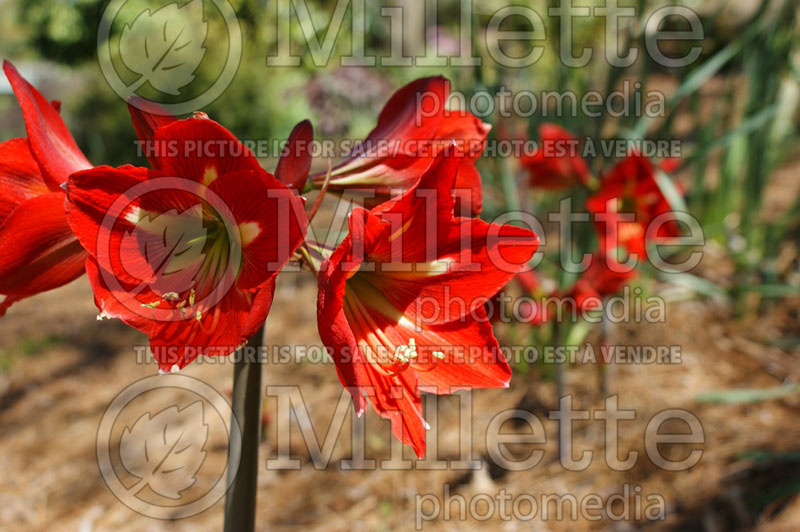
(293,163)
(186,252)
(604,277)
(401,300)
(414,126)
(532,308)
(630,199)
(147,117)
(39,250)
(529,281)
(528,309)
(556,164)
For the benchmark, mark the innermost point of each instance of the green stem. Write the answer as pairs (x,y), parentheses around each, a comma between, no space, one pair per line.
(558,335)
(240,501)
(606,368)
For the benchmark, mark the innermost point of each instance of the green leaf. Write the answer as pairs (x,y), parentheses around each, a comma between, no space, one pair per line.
(694,283)
(699,76)
(748,395)
(577,333)
(773,290)
(745,127)
(667,186)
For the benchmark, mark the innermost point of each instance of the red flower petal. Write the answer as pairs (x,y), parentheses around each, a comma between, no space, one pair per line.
(604,277)
(176,343)
(468,191)
(480,365)
(93,206)
(295,161)
(555,165)
(469,135)
(50,141)
(19,176)
(39,250)
(218,333)
(413,127)
(124,229)
(147,117)
(271,219)
(413,112)
(202,150)
(670,164)
(631,187)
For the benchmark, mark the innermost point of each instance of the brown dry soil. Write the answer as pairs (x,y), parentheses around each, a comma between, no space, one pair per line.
(62,368)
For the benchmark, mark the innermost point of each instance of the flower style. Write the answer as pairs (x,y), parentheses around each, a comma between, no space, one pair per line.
(39,250)
(401,300)
(556,164)
(413,127)
(635,200)
(188,251)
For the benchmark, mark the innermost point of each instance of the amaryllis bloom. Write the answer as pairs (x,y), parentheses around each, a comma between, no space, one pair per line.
(557,162)
(529,281)
(39,250)
(530,308)
(631,199)
(414,126)
(188,251)
(604,277)
(533,306)
(401,301)
(293,163)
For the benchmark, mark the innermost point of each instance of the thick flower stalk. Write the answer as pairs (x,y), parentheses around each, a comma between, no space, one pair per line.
(188,251)
(39,250)
(401,300)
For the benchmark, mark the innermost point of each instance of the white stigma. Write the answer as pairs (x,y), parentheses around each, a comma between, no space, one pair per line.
(404,353)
